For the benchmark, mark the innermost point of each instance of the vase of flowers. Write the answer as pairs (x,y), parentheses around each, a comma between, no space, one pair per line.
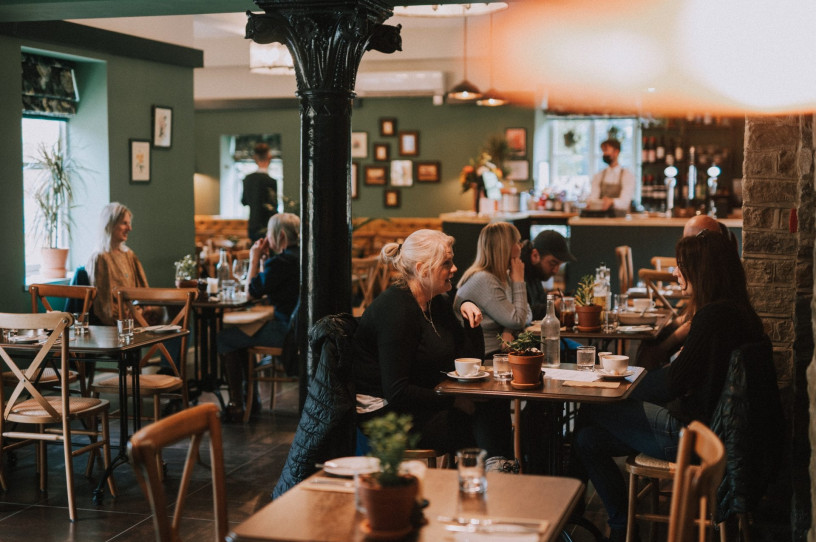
(186,272)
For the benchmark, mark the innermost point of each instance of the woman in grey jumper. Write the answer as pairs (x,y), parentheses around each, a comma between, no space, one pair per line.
(495,283)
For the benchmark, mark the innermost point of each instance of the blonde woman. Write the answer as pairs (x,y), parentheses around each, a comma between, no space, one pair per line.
(408,338)
(495,283)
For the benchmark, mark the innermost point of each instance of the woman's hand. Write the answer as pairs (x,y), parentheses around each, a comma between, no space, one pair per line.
(471,313)
(258,249)
(516,270)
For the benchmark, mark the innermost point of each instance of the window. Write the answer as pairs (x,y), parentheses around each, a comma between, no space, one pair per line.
(574,153)
(37,132)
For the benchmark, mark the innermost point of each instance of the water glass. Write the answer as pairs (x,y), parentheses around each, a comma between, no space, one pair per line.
(471,467)
(125,329)
(586,358)
(80,323)
(568,312)
(501,367)
(228,290)
(622,302)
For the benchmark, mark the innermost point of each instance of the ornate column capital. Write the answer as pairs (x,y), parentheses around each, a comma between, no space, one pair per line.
(327,39)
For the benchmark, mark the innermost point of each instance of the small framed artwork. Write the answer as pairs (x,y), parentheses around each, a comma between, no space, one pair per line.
(382,152)
(388,127)
(516,142)
(162,127)
(427,172)
(409,143)
(355,180)
(139,161)
(376,175)
(392,198)
(402,173)
(359,144)
(519,170)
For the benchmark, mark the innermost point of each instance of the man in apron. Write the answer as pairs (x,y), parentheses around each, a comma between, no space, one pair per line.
(614,185)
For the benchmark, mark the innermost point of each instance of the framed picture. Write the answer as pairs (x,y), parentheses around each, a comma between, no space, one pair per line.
(428,172)
(409,143)
(392,198)
(355,180)
(382,152)
(359,144)
(519,170)
(162,127)
(376,175)
(402,173)
(388,127)
(139,161)
(516,142)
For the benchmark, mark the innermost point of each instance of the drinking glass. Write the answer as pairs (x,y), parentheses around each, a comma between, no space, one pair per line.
(586,358)
(568,312)
(501,367)
(80,323)
(240,270)
(125,329)
(471,467)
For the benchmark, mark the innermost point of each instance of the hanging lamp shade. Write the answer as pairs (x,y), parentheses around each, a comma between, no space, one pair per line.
(491,98)
(465,91)
(270,58)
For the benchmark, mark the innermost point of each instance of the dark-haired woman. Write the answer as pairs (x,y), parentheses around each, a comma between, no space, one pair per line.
(722,319)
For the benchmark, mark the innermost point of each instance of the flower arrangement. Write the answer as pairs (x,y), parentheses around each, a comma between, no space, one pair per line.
(389,437)
(186,268)
(471,174)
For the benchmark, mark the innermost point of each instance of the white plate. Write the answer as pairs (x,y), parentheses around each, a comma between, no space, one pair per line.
(477,376)
(604,374)
(163,329)
(634,329)
(347,466)
(29,338)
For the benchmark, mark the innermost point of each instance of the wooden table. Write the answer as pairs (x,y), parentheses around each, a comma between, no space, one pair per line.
(303,514)
(100,344)
(552,391)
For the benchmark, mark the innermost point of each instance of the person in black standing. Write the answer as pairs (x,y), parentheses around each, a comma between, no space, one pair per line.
(260,193)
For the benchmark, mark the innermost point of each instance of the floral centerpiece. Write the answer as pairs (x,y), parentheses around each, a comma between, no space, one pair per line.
(186,271)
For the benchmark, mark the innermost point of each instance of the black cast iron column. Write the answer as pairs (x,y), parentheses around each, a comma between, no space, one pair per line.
(327,40)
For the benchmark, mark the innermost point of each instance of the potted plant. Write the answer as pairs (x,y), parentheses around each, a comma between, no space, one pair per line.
(54,195)
(186,272)
(525,357)
(387,495)
(589,314)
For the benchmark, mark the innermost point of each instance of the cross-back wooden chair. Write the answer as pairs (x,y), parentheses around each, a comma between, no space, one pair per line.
(651,278)
(145,452)
(155,385)
(663,263)
(52,415)
(695,486)
(40,295)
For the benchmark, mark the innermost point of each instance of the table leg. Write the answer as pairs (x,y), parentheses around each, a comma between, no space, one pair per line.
(517,433)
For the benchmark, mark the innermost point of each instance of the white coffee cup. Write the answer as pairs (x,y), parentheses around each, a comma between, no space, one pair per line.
(467,366)
(615,365)
(642,304)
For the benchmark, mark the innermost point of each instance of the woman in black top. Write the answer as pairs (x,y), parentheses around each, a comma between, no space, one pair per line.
(722,319)
(409,336)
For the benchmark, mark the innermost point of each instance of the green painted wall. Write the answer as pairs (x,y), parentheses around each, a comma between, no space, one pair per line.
(448,134)
(116,95)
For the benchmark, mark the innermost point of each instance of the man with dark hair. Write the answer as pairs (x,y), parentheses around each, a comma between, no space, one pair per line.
(260,193)
(542,258)
(614,185)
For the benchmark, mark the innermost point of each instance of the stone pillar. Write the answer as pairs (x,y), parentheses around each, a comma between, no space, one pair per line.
(327,41)
(778,238)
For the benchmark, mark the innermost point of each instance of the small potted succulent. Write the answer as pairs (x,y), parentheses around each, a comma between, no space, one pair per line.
(589,314)
(388,496)
(525,357)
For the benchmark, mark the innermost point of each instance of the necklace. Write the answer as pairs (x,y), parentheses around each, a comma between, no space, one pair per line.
(429,318)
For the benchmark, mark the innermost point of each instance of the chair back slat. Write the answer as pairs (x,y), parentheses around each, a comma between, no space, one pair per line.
(41,292)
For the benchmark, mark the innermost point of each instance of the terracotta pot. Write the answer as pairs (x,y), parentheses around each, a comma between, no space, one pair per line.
(526,369)
(186,283)
(53,262)
(388,508)
(589,317)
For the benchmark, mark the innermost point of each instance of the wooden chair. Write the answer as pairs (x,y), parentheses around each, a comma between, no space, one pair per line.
(145,449)
(651,278)
(626,272)
(663,263)
(52,415)
(651,471)
(155,385)
(431,457)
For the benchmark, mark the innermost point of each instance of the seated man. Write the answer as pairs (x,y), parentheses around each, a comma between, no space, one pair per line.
(542,258)
(279,282)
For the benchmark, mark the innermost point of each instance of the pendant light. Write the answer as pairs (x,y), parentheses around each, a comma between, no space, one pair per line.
(465,91)
(491,98)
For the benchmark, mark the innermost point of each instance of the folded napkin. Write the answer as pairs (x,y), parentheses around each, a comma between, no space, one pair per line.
(593,384)
(322,483)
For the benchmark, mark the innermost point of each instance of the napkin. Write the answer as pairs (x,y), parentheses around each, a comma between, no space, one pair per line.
(593,384)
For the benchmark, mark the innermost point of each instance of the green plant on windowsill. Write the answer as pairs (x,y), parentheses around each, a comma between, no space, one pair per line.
(526,344)
(585,294)
(388,437)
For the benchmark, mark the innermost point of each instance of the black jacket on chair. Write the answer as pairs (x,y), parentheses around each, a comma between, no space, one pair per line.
(327,425)
(750,422)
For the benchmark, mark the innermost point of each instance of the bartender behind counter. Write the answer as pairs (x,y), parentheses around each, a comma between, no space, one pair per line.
(614,186)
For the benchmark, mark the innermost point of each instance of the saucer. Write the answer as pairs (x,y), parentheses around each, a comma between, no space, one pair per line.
(604,374)
(519,386)
(478,376)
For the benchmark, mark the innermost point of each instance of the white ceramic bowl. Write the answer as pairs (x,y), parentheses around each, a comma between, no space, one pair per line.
(615,365)
(467,366)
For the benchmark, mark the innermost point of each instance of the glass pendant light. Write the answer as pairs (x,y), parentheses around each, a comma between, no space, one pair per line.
(491,98)
(465,91)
